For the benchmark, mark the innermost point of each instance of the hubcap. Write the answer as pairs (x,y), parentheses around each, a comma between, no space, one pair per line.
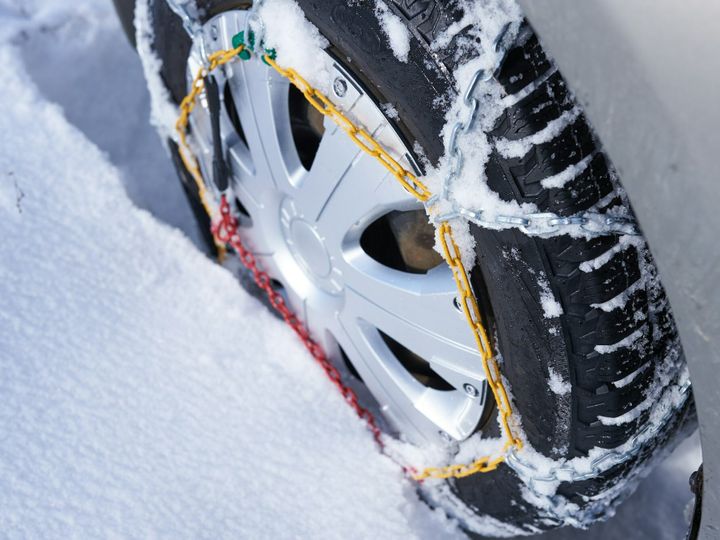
(326,221)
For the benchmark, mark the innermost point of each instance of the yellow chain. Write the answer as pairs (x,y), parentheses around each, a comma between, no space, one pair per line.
(451,253)
(359,136)
(187,105)
(412,184)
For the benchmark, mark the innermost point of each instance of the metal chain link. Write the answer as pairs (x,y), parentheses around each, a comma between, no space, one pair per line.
(535,224)
(453,152)
(602,463)
(225,233)
(190,24)
(593,223)
(471,310)
(545,223)
(531,476)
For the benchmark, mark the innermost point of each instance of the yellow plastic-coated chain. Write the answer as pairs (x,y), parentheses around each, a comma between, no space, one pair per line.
(452,255)
(411,183)
(471,309)
(482,465)
(187,105)
(359,136)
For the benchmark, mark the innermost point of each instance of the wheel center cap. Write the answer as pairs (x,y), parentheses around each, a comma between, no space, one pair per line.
(309,248)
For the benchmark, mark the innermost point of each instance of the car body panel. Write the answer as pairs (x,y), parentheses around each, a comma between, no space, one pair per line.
(647,73)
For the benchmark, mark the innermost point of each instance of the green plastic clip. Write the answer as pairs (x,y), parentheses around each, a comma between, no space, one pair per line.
(271,53)
(239,39)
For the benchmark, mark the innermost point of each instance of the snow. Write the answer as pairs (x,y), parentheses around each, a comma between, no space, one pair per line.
(103,108)
(660,392)
(557,384)
(513,99)
(667,392)
(487,18)
(163,112)
(395,30)
(621,299)
(630,378)
(626,342)
(298,43)
(624,242)
(516,149)
(144,393)
(390,111)
(551,307)
(573,171)
(481,35)
(466,188)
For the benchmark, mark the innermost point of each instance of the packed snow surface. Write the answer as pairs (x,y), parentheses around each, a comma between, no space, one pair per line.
(144,394)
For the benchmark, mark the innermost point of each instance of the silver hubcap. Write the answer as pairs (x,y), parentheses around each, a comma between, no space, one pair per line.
(306,226)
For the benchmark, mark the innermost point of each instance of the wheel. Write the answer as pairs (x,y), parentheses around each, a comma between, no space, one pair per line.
(585,335)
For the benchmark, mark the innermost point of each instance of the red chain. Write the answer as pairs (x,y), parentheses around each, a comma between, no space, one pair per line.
(226,232)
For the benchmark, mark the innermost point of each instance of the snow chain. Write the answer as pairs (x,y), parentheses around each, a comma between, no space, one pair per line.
(225,232)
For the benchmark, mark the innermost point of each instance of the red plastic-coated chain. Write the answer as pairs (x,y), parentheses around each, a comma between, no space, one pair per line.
(226,232)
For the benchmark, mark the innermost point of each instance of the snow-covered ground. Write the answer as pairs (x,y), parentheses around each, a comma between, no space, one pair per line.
(143,393)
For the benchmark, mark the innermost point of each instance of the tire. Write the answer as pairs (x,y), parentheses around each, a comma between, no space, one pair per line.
(534,348)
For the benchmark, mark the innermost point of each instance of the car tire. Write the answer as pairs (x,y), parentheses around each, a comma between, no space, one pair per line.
(578,344)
